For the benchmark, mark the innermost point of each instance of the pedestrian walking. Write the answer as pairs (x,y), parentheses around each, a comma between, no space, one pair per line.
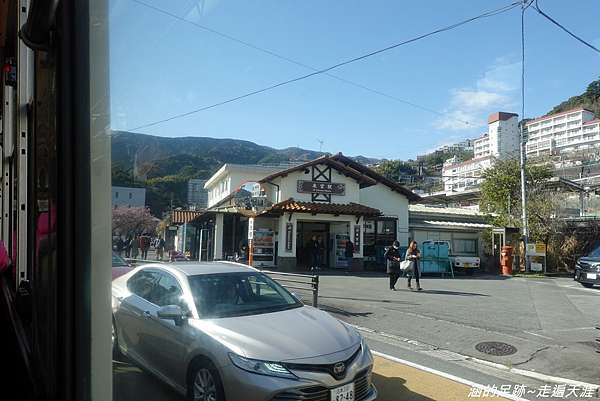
(160,248)
(349,252)
(128,246)
(392,257)
(135,246)
(413,255)
(144,246)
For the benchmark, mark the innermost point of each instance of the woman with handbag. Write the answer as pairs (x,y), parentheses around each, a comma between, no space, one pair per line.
(392,257)
(413,255)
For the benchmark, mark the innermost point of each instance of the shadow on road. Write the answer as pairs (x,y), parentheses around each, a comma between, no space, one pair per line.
(343,312)
(387,301)
(459,293)
(394,389)
(132,384)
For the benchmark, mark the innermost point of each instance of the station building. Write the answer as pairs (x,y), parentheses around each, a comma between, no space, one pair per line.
(333,199)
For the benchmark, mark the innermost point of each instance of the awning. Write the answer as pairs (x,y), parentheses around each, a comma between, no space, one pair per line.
(456,224)
(184,216)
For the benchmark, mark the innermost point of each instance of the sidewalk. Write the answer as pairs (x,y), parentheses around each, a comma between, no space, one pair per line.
(396,382)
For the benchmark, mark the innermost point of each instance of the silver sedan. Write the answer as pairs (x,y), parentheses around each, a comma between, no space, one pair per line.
(224,331)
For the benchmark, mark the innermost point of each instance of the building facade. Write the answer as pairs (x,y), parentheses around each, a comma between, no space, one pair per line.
(502,138)
(500,142)
(332,200)
(461,228)
(572,130)
(197,197)
(231,177)
(128,197)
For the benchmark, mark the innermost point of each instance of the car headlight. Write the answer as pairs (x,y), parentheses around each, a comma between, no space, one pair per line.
(365,346)
(261,367)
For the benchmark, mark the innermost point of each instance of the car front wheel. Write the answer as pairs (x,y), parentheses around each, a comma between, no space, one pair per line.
(205,383)
(116,352)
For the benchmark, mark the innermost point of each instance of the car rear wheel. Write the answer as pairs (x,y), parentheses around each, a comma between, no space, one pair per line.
(204,383)
(587,285)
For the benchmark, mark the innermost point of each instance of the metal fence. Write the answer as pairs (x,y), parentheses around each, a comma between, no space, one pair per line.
(301,282)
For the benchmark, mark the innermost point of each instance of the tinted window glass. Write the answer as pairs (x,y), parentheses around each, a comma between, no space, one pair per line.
(143,283)
(236,294)
(167,292)
(595,253)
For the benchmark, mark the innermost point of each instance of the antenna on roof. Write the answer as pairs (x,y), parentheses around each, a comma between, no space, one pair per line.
(320,145)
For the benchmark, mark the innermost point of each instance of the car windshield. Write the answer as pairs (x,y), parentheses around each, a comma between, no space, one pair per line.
(239,294)
(595,253)
(118,261)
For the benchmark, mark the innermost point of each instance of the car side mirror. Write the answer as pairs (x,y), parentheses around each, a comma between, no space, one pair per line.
(172,312)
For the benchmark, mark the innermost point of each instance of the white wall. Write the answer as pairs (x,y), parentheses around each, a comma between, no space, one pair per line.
(391,204)
(288,187)
(128,197)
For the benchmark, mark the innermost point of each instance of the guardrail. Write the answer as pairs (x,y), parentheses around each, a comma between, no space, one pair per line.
(143,261)
(304,282)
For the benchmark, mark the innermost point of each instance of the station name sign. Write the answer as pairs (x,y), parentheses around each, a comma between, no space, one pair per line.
(317,187)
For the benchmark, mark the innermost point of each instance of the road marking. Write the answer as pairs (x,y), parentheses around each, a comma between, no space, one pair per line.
(538,335)
(449,376)
(534,375)
(575,329)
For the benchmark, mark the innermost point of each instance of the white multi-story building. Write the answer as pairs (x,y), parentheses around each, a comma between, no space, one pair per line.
(128,197)
(571,130)
(462,176)
(232,177)
(500,142)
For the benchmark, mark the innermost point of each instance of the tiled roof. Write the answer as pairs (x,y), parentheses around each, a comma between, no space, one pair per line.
(184,216)
(361,173)
(355,209)
(394,186)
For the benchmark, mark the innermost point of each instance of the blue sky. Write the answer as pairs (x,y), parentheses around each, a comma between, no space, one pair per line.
(161,66)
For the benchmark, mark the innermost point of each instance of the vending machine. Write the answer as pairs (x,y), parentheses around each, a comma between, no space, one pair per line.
(338,254)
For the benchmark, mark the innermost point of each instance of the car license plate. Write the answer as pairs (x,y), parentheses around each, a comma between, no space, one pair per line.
(343,393)
(467,264)
(591,276)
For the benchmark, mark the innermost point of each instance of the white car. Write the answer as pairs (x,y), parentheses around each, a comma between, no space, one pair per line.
(468,264)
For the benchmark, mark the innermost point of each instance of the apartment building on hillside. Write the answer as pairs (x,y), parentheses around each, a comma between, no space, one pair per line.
(501,141)
(560,133)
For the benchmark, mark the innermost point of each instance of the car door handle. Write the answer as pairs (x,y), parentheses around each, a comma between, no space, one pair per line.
(147,314)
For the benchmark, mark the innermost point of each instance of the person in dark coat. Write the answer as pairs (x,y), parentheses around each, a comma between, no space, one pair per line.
(315,253)
(413,255)
(392,257)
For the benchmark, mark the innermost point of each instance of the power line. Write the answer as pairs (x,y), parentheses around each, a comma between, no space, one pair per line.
(299,63)
(325,70)
(549,18)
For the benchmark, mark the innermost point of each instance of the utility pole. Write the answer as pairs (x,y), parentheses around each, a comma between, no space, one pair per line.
(320,145)
(522,138)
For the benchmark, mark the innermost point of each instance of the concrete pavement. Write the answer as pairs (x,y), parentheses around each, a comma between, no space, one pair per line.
(549,321)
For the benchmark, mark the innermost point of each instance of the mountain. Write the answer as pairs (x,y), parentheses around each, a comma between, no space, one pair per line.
(590,99)
(164,165)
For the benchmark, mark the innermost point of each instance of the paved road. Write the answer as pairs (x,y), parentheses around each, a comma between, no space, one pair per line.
(394,381)
(550,321)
